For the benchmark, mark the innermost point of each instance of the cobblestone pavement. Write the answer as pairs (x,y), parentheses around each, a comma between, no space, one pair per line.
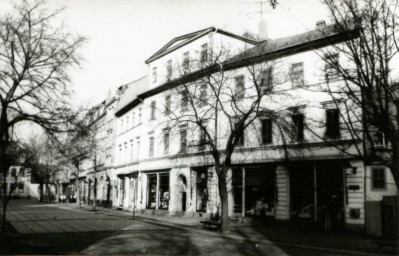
(63,229)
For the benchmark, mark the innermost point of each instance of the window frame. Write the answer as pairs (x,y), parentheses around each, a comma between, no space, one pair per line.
(153,107)
(384,178)
(296,131)
(297,77)
(204,53)
(154,74)
(239,83)
(151,142)
(267,135)
(330,128)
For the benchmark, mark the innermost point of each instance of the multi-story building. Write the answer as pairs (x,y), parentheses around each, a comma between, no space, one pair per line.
(286,179)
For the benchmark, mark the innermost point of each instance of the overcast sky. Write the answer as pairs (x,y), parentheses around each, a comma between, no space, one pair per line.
(124,33)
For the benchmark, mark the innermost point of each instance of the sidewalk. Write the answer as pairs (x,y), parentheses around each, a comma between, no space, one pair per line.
(279,233)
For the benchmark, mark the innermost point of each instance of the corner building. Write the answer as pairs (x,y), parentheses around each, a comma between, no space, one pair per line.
(270,178)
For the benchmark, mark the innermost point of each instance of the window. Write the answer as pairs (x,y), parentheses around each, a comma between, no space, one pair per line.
(133,118)
(266,82)
(127,123)
(296,74)
(139,115)
(13,172)
(184,100)
(240,89)
(381,140)
(202,140)
(204,52)
(183,141)
(166,143)
(131,151)
(332,123)
(186,62)
(20,188)
(138,149)
(297,120)
(154,74)
(240,135)
(167,105)
(267,131)
(378,178)
(120,155)
(169,70)
(151,154)
(122,128)
(203,95)
(153,108)
(330,67)
(126,154)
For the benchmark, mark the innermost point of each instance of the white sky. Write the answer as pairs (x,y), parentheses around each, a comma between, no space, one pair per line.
(124,33)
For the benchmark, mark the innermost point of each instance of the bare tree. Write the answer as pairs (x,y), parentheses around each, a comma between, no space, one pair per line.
(35,59)
(361,78)
(221,105)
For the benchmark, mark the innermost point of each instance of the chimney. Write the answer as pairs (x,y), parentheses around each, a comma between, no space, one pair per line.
(262,30)
(320,24)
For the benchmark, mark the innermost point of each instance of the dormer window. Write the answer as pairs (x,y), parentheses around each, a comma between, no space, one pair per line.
(154,74)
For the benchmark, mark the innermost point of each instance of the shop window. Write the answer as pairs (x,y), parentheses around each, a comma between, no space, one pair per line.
(152,191)
(164,195)
(298,125)
(267,131)
(202,189)
(237,186)
(332,123)
(378,178)
(163,192)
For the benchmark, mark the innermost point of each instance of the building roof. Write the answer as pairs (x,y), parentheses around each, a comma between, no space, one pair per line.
(180,41)
(134,89)
(266,50)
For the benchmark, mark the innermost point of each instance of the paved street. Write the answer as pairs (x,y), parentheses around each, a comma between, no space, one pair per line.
(62,229)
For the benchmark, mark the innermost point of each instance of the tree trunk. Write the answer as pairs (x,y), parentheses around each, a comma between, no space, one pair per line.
(41,192)
(94,194)
(78,193)
(225,204)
